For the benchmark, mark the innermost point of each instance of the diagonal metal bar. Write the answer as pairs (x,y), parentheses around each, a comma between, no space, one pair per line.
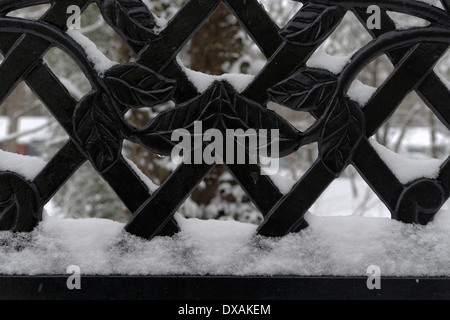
(156,56)
(187,21)
(160,208)
(258,24)
(382,181)
(258,15)
(12,72)
(435,94)
(128,196)
(39,80)
(432,91)
(185,89)
(287,59)
(154,214)
(259,188)
(410,73)
(444,177)
(53,176)
(288,214)
(249,177)
(446,4)
(256,186)
(281,219)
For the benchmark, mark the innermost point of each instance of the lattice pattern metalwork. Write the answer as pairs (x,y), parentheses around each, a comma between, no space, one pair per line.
(97,128)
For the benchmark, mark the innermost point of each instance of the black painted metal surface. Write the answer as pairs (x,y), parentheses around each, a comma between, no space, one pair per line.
(222,288)
(97,127)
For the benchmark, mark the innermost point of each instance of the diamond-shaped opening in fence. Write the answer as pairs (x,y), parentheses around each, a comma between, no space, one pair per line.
(30,13)
(297,163)
(27,127)
(405,167)
(220,47)
(348,37)
(87,195)
(369,79)
(299,119)
(405,21)
(68,72)
(163,11)
(151,168)
(294,166)
(413,143)
(107,41)
(220,197)
(349,195)
(413,131)
(281,11)
(442,69)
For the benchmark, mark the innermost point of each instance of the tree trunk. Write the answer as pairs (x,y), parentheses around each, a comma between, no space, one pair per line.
(216,43)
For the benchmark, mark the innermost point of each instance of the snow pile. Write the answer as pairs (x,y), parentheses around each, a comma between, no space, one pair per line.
(322,60)
(147,181)
(27,167)
(361,93)
(343,246)
(435,3)
(350,195)
(404,22)
(444,80)
(406,169)
(203,81)
(99,60)
(283,183)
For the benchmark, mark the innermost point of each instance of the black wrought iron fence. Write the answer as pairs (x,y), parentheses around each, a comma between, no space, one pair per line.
(97,126)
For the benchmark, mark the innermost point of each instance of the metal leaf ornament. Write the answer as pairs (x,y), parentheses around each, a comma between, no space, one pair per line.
(97,127)
(306,90)
(312,24)
(343,128)
(136,86)
(131,19)
(341,123)
(220,107)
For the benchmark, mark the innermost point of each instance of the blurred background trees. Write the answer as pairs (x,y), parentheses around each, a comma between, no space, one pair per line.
(220,46)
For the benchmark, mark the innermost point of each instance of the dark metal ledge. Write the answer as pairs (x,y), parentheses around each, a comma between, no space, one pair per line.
(221,288)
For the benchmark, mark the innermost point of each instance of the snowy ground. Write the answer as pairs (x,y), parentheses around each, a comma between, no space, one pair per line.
(345,244)
(331,246)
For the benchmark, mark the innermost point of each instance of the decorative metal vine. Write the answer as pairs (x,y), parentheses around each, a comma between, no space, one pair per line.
(97,127)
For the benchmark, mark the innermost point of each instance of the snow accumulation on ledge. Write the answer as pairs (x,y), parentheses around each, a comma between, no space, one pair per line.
(333,246)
